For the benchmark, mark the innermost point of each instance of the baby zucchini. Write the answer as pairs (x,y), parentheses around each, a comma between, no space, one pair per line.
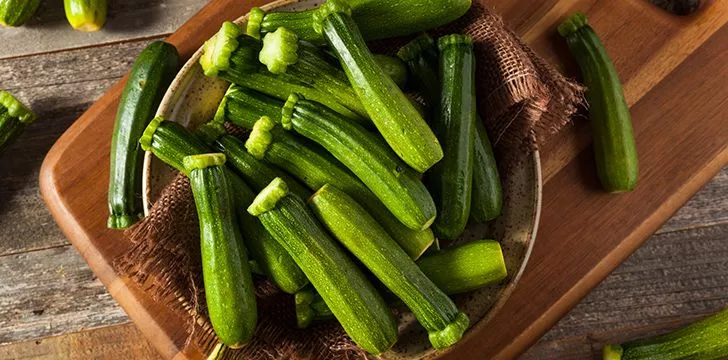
(14,117)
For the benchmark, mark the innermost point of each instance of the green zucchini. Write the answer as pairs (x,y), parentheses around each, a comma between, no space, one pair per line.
(366,155)
(704,340)
(394,67)
(378,19)
(228,283)
(451,180)
(86,15)
(395,117)
(353,300)
(14,118)
(234,57)
(422,58)
(171,142)
(17,12)
(150,75)
(614,143)
(314,166)
(369,243)
(465,267)
(310,306)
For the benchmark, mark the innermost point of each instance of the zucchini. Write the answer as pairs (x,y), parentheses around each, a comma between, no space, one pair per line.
(150,76)
(369,243)
(366,155)
(394,67)
(170,142)
(353,300)
(280,49)
(465,267)
(228,283)
(86,15)
(378,19)
(314,166)
(451,180)
(17,12)
(14,118)
(614,143)
(234,57)
(704,340)
(395,117)
(422,58)
(310,306)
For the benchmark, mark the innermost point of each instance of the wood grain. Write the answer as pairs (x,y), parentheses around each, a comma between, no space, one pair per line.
(127,19)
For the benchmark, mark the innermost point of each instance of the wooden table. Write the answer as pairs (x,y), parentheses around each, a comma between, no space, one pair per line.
(51,304)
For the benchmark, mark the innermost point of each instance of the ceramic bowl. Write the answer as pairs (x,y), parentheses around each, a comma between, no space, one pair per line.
(192,100)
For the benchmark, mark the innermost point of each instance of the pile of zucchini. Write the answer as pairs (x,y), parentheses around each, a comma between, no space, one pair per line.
(82,15)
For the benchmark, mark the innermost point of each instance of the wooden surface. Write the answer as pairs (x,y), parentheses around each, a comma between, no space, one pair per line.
(678,276)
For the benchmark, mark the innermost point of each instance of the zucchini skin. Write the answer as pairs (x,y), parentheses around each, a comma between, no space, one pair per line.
(150,76)
(395,117)
(367,156)
(86,15)
(371,244)
(314,166)
(704,340)
(614,143)
(353,300)
(394,67)
(14,118)
(228,283)
(422,57)
(171,142)
(450,181)
(17,12)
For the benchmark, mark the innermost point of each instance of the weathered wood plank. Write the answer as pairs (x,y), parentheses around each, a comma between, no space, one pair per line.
(50,292)
(127,19)
(58,87)
(115,342)
(674,279)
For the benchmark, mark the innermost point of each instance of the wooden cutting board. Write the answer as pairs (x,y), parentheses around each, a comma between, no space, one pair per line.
(675,72)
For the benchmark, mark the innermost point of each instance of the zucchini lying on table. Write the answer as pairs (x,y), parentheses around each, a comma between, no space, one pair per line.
(369,243)
(86,15)
(614,143)
(17,12)
(228,283)
(14,118)
(170,142)
(150,76)
(353,300)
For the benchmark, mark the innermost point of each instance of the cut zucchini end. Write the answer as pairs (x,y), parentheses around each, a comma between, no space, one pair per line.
(147,136)
(287,111)
(454,40)
(260,137)
(210,132)
(326,9)
(573,23)
(269,197)
(16,108)
(416,249)
(218,49)
(255,18)
(612,352)
(280,49)
(451,334)
(304,312)
(122,221)
(414,48)
(202,161)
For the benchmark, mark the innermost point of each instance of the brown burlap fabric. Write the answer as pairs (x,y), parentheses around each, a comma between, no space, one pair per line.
(523,101)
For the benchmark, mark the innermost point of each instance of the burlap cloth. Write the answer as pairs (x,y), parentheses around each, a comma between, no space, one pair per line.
(523,100)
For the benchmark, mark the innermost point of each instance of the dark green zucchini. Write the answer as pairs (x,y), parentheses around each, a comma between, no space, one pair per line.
(451,180)
(228,283)
(394,67)
(14,118)
(422,58)
(367,156)
(86,15)
(614,143)
(353,300)
(170,142)
(150,76)
(704,340)
(235,57)
(17,12)
(465,267)
(395,117)
(371,244)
